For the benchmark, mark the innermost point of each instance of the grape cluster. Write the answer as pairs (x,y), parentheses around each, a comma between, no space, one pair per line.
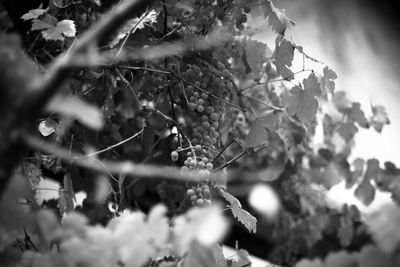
(199,195)
(204,91)
(237,12)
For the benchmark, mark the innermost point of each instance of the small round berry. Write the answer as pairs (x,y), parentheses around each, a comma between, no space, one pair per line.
(201,165)
(197,148)
(209,166)
(198,190)
(193,198)
(204,95)
(215,124)
(174,156)
(209,109)
(220,66)
(197,83)
(200,202)
(206,193)
(184,169)
(214,116)
(246,9)
(204,117)
(205,124)
(193,163)
(200,101)
(200,108)
(204,159)
(190,192)
(192,106)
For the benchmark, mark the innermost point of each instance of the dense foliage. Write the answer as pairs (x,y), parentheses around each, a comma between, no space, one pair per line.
(176,102)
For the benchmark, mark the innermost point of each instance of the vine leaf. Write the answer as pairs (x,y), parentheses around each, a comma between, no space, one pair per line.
(248,220)
(327,83)
(312,85)
(74,107)
(135,24)
(47,127)
(276,18)
(302,104)
(54,30)
(284,53)
(257,136)
(379,118)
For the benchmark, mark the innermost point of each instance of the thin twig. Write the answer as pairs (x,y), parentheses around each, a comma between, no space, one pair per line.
(130,168)
(115,145)
(223,149)
(230,162)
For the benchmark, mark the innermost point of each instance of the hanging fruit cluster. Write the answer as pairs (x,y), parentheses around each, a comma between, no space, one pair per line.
(205,91)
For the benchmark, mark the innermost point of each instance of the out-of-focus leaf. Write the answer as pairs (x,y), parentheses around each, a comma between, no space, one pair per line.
(356,114)
(372,256)
(332,175)
(242,258)
(33,173)
(257,136)
(86,113)
(199,255)
(347,131)
(340,259)
(33,14)
(358,169)
(310,263)
(242,215)
(204,225)
(379,118)
(383,224)
(372,170)
(365,192)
